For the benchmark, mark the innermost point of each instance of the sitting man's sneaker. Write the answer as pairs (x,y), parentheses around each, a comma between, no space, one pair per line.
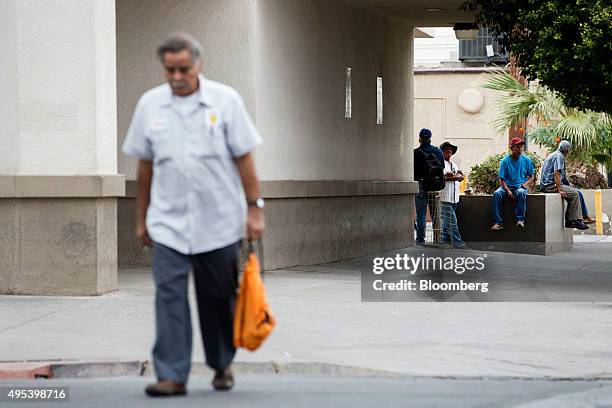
(588,220)
(459,245)
(223,380)
(576,224)
(497,227)
(520,224)
(165,388)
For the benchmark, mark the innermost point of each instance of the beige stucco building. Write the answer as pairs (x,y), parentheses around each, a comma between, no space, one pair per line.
(72,70)
(455,106)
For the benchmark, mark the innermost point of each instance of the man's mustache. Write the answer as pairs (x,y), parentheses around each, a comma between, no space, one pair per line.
(179,84)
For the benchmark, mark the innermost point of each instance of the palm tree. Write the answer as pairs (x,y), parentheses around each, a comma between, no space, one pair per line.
(604,153)
(541,107)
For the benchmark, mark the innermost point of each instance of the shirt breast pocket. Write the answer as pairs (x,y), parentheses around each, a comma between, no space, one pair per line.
(162,143)
(167,179)
(211,142)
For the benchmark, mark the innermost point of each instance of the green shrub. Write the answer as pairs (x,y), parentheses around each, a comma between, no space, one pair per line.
(484,177)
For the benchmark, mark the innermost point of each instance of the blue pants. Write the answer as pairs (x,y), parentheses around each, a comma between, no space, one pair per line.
(520,205)
(215,277)
(450,229)
(585,212)
(421,203)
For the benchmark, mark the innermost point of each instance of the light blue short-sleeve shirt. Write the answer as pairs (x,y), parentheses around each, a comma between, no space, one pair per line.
(197,202)
(515,172)
(553,163)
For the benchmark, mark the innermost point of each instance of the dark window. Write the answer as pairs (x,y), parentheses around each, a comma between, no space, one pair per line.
(475,50)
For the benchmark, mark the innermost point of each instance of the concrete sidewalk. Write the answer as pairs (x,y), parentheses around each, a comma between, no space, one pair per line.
(321,319)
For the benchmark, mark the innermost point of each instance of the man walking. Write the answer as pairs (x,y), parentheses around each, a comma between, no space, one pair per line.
(553,174)
(426,158)
(193,138)
(515,174)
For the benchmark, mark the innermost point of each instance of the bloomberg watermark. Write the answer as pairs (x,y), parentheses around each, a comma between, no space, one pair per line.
(404,277)
(425,274)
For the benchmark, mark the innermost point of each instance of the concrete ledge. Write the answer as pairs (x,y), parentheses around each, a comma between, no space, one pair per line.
(310,231)
(606,205)
(331,188)
(311,222)
(454,70)
(102,185)
(544,232)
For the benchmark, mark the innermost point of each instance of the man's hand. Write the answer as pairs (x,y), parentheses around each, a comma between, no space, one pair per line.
(460,177)
(143,236)
(526,184)
(563,194)
(255,223)
(506,188)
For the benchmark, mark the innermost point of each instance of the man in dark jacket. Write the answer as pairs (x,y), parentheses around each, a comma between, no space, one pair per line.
(420,171)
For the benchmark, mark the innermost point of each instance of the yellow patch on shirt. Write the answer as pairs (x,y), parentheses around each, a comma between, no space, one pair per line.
(212,118)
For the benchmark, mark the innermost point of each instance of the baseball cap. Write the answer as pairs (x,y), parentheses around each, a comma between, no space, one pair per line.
(516,141)
(426,133)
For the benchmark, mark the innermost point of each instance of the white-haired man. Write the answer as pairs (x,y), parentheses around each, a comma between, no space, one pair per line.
(553,172)
(193,138)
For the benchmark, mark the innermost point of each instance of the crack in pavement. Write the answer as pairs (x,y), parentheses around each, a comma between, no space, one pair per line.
(40,317)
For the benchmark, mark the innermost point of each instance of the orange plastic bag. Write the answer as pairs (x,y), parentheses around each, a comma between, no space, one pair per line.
(253,320)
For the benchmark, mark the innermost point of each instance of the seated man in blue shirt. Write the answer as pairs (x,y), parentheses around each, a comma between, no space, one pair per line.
(553,172)
(515,174)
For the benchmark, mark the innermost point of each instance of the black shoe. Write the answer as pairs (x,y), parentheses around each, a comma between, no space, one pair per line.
(223,380)
(576,224)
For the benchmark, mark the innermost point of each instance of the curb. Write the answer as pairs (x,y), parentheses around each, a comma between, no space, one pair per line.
(66,369)
(295,368)
(99,369)
(108,369)
(9,371)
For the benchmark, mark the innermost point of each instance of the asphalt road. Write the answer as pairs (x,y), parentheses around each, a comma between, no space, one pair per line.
(325,391)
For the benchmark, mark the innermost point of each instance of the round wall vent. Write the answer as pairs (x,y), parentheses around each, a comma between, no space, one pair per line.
(471,100)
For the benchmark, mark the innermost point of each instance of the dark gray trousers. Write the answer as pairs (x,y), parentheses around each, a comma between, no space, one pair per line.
(216,278)
(573,211)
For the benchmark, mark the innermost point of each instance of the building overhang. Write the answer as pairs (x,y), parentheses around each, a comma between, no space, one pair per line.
(423,13)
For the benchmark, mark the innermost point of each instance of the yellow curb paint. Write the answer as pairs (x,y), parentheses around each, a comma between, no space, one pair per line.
(598,213)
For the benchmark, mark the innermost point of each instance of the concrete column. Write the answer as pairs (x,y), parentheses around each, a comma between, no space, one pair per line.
(58,164)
